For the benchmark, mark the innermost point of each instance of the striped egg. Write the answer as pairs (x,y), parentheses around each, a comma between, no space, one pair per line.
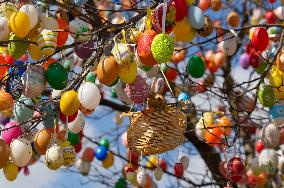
(276,113)
(47,42)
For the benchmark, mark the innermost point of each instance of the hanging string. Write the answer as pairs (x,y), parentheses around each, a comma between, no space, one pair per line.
(164,16)
(168,84)
(141,159)
(66,135)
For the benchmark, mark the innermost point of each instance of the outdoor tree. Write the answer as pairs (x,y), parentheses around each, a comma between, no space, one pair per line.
(179,78)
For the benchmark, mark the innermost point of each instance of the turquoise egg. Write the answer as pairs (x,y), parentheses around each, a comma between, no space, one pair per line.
(276,113)
(22,111)
(183,96)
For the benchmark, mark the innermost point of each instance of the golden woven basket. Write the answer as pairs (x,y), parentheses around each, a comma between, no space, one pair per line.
(156,131)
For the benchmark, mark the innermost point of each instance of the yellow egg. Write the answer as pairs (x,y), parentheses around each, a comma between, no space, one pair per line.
(3,50)
(108,162)
(152,162)
(20,24)
(69,103)
(183,31)
(34,50)
(276,79)
(10,171)
(207,119)
(128,75)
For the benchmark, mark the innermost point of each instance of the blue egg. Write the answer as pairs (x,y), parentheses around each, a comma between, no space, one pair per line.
(17,70)
(276,113)
(183,96)
(22,109)
(101,153)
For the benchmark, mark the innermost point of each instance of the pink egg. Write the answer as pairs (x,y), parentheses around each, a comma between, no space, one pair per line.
(244,60)
(12,133)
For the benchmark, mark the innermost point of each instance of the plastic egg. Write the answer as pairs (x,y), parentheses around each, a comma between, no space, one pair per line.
(183,31)
(47,42)
(89,95)
(270,135)
(276,113)
(85,50)
(62,36)
(20,152)
(144,42)
(20,24)
(10,171)
(229,45)
(56,76)
(34,50)
(4,152)
(129,74)
(107,70)
(54,157)
(195,67)
(80,30)
(195,17)
(268,160)
(42,140)
(101,153)
(4,29)
(276,79)
(235,169)
(204,4)
(266,95)
(270,17)
(178,170)
(23,109)
(88,154)
(78,124)
(31,12)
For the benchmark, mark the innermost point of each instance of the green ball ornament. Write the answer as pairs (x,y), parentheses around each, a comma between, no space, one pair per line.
(73,138)
(104,142)
(19,48)
(121,183)
(266,95)
(162,47)
(56,76)
(195,67)
(91,77)
(261,68)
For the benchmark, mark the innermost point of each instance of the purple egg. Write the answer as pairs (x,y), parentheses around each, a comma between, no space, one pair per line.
(85,50)
(244,60)
(4,120)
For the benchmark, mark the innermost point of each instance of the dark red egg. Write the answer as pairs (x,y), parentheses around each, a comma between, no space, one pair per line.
(254,59)
(181,9)
(235,169)
(178,168)
(270,17)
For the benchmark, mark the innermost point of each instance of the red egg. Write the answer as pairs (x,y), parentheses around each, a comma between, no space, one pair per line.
(270,17)
(271,1)
(133,156)
(236,169)
(254,60)
(181,9)
(144,48)
(62,36)
(260,39)
(9,59)
(88,154)
(163,164)
(204,4)
(259,146)
(78,147)
(171,74)
(178,168)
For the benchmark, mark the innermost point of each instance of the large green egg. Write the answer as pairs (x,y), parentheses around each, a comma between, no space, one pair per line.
(56,75)
(266,95)
(195,67)
(22,109)
(73,138)
(18,48)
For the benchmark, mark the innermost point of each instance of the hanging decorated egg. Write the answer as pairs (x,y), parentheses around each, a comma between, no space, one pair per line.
(144,48)
(270,17)
(6,100)
(80,30)
(270,135)
(129,74)
(13,131)
(89,95)
(104,142)
(152,162)
(7,9)
(41,141)
(259,146)
(216,5)
(280,61)
(268,160)
(54,157)
(78,124)
(213,136)
(158,173)
(108,162)
(107,70)
(138,91)
(32,14)
(200,130)
(122,55)
(101,153)
(195,67)
(10,171)
(181,9)
(260,39)
(185,162)
(56,76)
(121,94)
(18,47)
(20,24)
(34,50)
(244,61)
(170,18)
(204,4)
(49,23)
(178,169)
(88,154)
(276,80)
(266,95)
(4,29)
(20,152)
(183,31)
(69,103)
(83,166)
(162,48)
(69,154)
(4,152)
(33,81)
(276,113)
(141,177)
(4,68)
(229,44)
(236,169)
(23,109)
(130,174)
(47,42)
(62,35)
(207,29)
(84,50)
(233,19)
(195,17)
(74,139)
(279,12)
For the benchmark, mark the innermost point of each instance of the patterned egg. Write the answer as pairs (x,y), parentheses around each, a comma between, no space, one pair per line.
(22,109)
(33,81)
(268,160)
(17,48)
(270,135)
(54,157)
(138,91)
(69,154)
(20,152)
(266,95)
(47,41)
(80,30)
(276,113)
(144,48)
(7,9)
(141,177)
(158,173)
(235,169)
(4,29)
(78,124)
(122,55)
(121,95)
(185,162)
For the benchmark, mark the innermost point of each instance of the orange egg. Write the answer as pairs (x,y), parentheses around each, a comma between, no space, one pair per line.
(262,179)
(213,136)
(204,4)
(226,124)
(3,69)
(6,100)
(280,61)
(48,62)
(107,70)
(216,5)
(62,36)
(42,141)
(233,19)
(219,59)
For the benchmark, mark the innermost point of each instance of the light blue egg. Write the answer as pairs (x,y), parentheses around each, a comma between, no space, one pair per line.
(80,2)
(183,96)
(22,112)
(276,113)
